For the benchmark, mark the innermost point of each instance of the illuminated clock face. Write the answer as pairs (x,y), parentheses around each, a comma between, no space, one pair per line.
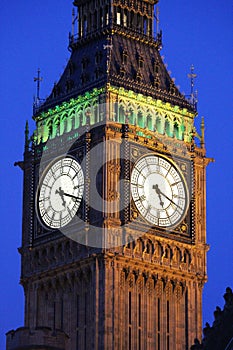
(60,192)
(159,191)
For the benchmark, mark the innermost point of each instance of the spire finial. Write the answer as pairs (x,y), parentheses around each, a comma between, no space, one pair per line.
(38,79)
(37,100)
(192,76)
(158,35)
(193,94)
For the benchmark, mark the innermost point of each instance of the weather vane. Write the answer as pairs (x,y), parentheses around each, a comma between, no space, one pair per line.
(193,94)
(37,100)
(74,19)
(38,79)
(158,32)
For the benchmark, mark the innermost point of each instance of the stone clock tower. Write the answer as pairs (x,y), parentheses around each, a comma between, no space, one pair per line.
(114,235)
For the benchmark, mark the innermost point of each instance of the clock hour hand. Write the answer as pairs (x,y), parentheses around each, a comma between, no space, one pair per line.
(156,188)
(163,194)
(61,194)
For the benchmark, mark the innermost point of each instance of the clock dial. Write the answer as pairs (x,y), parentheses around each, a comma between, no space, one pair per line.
(159,191)
(60,192)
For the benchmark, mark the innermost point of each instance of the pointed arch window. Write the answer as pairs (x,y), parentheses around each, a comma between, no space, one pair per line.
(98,73)
(139,22)
(158,125)
(118,17)
(156,68)
(149,122)
(57,125)
(124,56)
(131,117)
(50,128)
(139,77)
(145,25)
(122,72)
(64,120)
(125,18)
(176,130)
(140,120)
(131,19)
(106,15)
(101,18)
(156,83)
(85,78)
(96,114)
(167,127)
(172,89)
(140,61)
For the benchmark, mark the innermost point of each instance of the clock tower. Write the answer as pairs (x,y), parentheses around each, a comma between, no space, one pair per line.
(114,207)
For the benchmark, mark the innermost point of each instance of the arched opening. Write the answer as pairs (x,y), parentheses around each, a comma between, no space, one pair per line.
(72,122)
(186,257)
(50,129)
(167,127)
(63,125)
(131,117)
(149,122)
(118,17)
(140,120)
(96,114)
(131,19)
(176,131)
(139,27)
(145,25)
(125,18)
(121,115)
(106,15)
(158,125)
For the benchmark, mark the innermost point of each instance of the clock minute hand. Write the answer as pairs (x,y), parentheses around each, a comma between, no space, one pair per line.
(69,195)
(163,194)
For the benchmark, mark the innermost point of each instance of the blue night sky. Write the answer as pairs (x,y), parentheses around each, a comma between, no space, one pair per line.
(35,34)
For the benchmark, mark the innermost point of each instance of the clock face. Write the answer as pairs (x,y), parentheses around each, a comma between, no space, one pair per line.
(159,191)
(60,192)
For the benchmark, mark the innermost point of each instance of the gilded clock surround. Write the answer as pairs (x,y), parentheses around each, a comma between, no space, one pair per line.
(59,192)
(159,190)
